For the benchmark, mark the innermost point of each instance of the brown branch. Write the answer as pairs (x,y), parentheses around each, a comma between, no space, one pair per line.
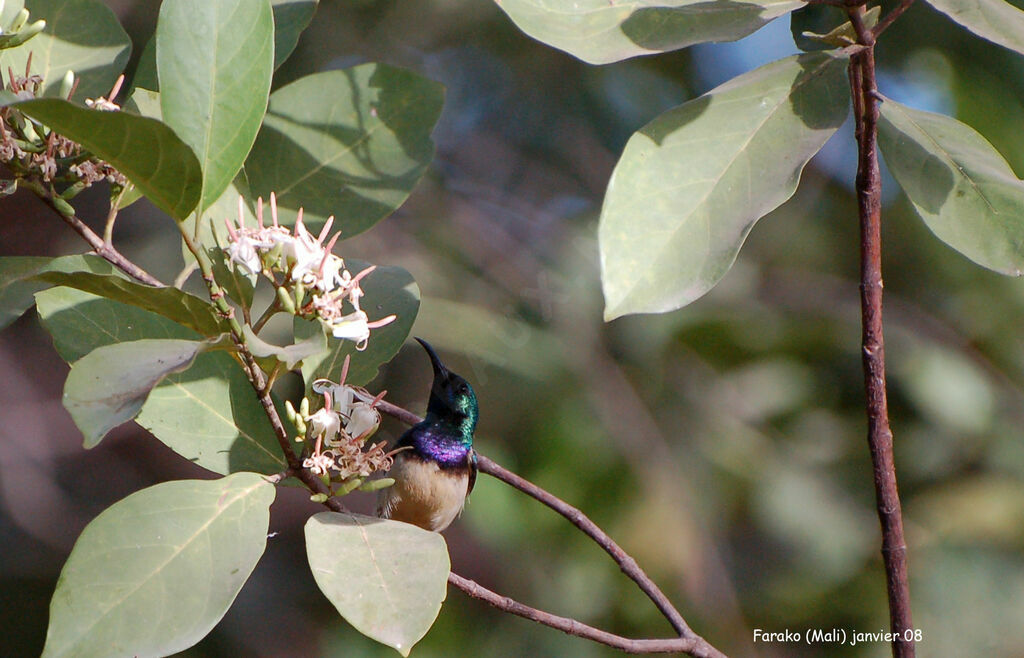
(891,17)
(688,642)
(102,248)
(397,412)
(592,530)
(869,193)
(694,645)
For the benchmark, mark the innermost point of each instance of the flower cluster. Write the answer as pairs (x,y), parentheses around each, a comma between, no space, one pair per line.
(339,432)
(33,152)
(313,280)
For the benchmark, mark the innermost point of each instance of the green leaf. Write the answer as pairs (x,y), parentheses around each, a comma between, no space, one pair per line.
(691,184)
(389,290)
(81,36)
(995,20)
(959,184)
(208,414)
(145,103)
(237,285)
(108,386)
(172,303)
(822,27)
(18,283)
(599,31)
(145,71)
(289,355)
(155,572)
(80,322)
(215,59)
(386,578)
(143,149)
(349,143)
(291,17)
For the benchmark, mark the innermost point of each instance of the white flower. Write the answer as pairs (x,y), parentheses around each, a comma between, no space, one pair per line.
(245,251)
(107,103)
(363,420)
(340,394)
(304,254)
(102,104)
(354,326)
(320,463)
(326,422)
(332,274)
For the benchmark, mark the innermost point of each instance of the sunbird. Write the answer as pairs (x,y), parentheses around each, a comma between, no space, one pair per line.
(436,471)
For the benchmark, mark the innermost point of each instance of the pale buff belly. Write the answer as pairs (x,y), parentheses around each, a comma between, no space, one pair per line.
(423,494)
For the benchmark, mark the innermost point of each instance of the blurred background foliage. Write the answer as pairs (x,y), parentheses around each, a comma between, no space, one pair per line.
(723,445)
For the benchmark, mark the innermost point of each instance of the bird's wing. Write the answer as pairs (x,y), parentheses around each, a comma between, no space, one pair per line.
(471,459)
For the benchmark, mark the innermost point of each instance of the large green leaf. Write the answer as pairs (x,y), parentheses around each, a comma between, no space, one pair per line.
(995,20)
(690,185)
(108,386)
(389,290)
(386,578)
(349,143)
(959,184)
(291,17)
(215,59)
(81,36)
(153,573)
(208,414)
(174,304)
(599,31)
(143,149)
(80,322)
(18,283)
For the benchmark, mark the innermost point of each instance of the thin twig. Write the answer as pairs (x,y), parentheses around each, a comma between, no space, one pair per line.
(108,230)
(694,645)
(591,529)
(102,249)
(269,312)
(891,17)
(628,565)
(397,412)
(184,274)
(869,195)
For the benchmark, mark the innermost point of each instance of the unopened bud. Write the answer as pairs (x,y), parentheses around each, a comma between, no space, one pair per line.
(19,21)
(376,485)
(350,486)
(286,300)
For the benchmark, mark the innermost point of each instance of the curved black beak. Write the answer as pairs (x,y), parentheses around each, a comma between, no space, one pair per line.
(439,370)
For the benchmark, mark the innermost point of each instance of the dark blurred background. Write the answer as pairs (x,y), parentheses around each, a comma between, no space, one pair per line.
(723,445)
